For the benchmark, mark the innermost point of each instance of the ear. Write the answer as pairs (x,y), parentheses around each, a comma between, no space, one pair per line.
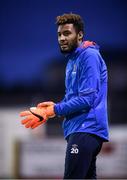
(80,36)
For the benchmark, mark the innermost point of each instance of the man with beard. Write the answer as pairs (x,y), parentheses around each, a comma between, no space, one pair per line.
(84,106)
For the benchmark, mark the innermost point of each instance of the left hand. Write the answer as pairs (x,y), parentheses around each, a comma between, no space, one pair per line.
(31,120)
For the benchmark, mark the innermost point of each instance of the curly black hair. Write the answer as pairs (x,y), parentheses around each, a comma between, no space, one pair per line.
(71,18)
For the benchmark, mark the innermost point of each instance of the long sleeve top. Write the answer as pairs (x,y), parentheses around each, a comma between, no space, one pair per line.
(85,102)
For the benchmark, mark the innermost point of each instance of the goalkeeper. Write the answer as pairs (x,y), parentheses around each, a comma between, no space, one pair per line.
(84,106)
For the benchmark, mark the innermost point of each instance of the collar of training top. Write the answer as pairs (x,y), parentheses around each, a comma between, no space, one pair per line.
(79,49)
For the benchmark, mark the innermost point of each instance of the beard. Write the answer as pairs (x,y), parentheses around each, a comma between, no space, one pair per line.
(69,47)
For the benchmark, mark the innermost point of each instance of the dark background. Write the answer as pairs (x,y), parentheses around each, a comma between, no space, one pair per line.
(31,66)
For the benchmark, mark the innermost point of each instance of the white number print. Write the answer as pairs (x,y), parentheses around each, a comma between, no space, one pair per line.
(74,150)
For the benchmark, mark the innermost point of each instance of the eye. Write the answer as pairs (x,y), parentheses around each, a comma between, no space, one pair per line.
(59,34)
(67,33)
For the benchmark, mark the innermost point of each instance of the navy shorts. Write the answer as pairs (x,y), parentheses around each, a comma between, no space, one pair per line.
(81,153)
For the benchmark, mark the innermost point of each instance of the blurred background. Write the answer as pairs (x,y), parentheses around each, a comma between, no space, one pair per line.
(32,70)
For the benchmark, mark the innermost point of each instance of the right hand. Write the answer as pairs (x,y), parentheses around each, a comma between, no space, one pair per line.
(49,108)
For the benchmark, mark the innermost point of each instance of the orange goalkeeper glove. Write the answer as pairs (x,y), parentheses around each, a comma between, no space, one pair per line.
(49,107)
(39,115)
(45,110)
(33,120)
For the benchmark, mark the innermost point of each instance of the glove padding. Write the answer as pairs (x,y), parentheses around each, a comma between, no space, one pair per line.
(33,120)
(37,116)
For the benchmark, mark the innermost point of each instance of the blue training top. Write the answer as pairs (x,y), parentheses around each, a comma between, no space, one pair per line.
(85,104)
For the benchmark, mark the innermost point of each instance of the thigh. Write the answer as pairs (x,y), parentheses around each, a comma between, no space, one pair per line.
(91,174)
(79,155)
